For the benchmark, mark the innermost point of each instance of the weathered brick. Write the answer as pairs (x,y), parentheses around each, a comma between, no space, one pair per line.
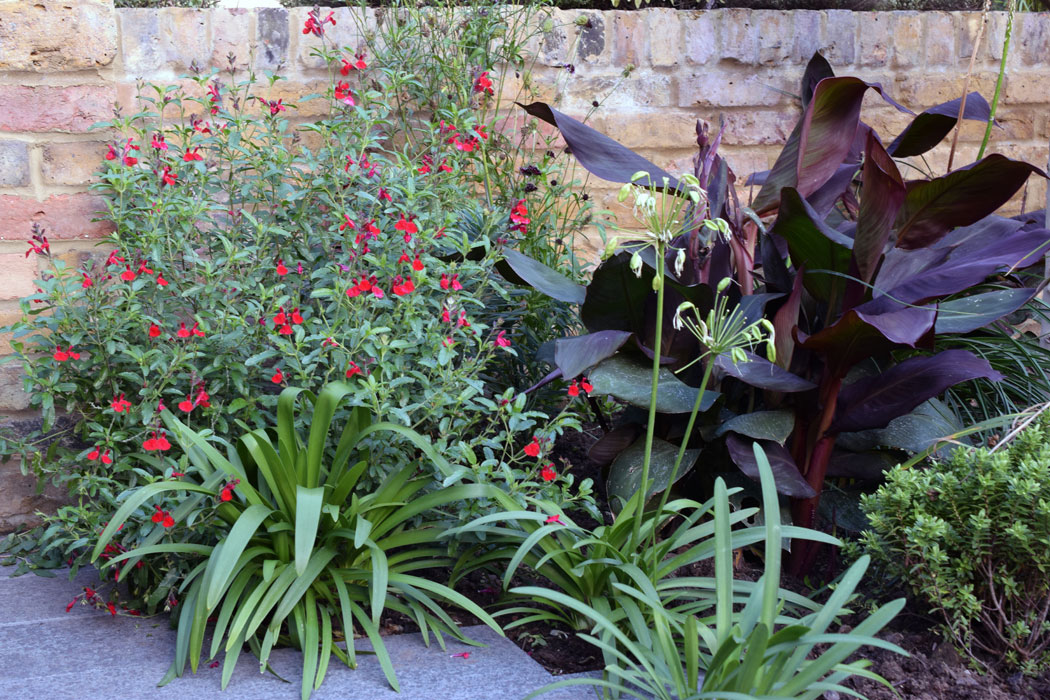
(740,36)
(231,34)
(12,394)
(527,86)
(554,44)
(753,127)
(10,313)
(702,36)
(940,39)
(21,500)
(994,33)
(908,49)
(840,37)
(665,37)
(71,163)
(775,30)
(875,39)
(967,26)
(17,272)
(57,109)
(593,45)
(639,91)
(63,215)
(652,129)
(924,91)
(167,41)
(630,38)
(1031,39)
(56,35)
(272,38)
(1026,87)
(732,89)
(14,164)
(806,33)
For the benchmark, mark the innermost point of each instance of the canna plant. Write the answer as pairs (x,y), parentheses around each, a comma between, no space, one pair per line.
(862,273)
(304,555)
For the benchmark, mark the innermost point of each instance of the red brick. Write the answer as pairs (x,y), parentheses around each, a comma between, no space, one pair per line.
(51,108)
(17,273)
(63,215)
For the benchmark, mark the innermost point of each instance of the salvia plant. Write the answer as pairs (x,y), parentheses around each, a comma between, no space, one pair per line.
(256,249)
(861,273)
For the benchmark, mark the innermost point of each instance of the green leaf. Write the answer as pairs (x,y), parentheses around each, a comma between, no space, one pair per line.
(233,546)
(761,425)
(309,502)
(630,381)
(625,474)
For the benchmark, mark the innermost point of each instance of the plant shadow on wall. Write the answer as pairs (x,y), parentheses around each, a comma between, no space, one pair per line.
(254,249)
(862,273)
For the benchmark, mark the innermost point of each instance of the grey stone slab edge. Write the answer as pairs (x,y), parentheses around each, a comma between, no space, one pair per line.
(90,655)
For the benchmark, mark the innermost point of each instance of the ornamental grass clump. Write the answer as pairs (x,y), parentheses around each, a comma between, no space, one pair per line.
(970,537)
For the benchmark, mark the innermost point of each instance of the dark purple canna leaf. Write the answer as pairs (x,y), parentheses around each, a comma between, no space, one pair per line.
(968,265)
(821,141)
(789,480)
(858,335)
(817,69)
(609,446)
(929,128)
(760,372)
(978,310)
(823,200)
(932,208)
(866,466)
(599,154)
(873,402)
(542,278)
(812,243)
(881,199)
(616,298)
(574,355)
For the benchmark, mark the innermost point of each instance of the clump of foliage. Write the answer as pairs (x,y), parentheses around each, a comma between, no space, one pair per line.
(302,549)
(254,249)
(969,536)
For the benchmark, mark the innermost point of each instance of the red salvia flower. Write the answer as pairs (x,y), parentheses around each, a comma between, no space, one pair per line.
(586,385)
(519,216)
(501,341)
(127,275)
(112,608)
(533,448)
(296,318)
(556,519)
(197,331)
(343,94)
(480,131)
(93,455)
(359,64)
(281,269)
(158,514)
(154,330)
(285,330)
(354,369)
(162,442)
(417,264)
(280,319)
(446,317)
(347,224)
(158,142)
(112,154)
(87,282)
(106,459)
(574,388)
(277,377)
(167,176)
(192,155)
(183,331)
(483,84)
(60,355)
(161,282)
(383,194)
(143,269)
(168,520)
(114,259)
(120,404)
(548,472)
(186,405)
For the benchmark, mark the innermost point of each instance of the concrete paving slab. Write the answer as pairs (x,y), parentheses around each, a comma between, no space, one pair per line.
(91,655)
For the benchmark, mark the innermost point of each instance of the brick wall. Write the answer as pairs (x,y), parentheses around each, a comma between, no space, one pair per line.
(63,66)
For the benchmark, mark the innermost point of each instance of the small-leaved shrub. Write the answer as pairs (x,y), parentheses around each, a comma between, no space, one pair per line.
(970,536)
